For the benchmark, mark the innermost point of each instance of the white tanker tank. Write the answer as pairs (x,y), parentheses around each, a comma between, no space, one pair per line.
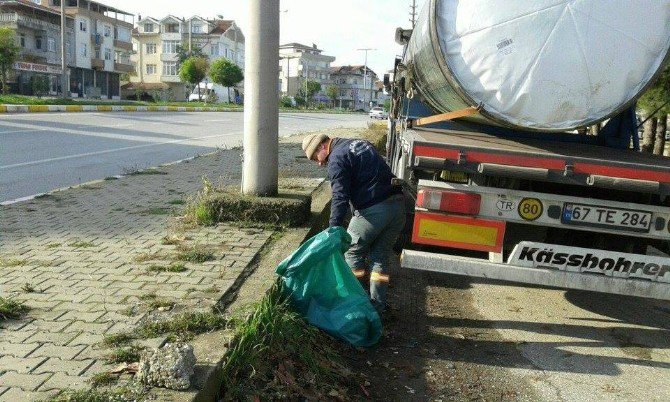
(549,65)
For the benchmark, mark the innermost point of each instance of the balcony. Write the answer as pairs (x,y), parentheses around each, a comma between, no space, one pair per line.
(169,56)
(128,46)
(170,78)
(27,22)
(123,67)
(29,57)
(97,64)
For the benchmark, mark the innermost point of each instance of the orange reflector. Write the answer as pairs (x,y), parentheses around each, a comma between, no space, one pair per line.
(458,232)
(449,201)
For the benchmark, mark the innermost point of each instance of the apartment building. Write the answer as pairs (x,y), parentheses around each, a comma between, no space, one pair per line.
(38,36)
(299,63)
(103,43)
(156,43)
(358,88)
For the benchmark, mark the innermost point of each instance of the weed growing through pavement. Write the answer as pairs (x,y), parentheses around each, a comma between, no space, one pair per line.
(128,354)
(174,267)
(136,171)
(156,211)
(197,254)
(173,240)
(149,257)
(53,245)
(114,340)
(184,326)
(94,395)
(81,244)
(28,288)
(102,379)
(12,263)
(10,309)
(110,178)
(177,202)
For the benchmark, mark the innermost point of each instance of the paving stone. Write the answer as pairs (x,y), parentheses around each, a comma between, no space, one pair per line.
(69,367)
(17,349)
(58,338)
(19,395)
(64,352)
(60,381)
(21,365)
(25,382)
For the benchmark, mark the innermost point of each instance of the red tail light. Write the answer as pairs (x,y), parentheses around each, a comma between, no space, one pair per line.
(449,201)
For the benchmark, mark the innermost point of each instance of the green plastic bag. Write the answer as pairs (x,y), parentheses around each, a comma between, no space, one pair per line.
(323,289)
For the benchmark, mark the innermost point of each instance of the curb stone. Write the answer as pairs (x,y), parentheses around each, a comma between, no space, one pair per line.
(211,348)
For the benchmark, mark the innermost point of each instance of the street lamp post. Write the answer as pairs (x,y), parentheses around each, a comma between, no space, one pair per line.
(365,75)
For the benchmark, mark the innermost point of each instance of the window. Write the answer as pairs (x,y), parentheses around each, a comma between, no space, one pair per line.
(84,50)
(108,53)
(232,56)
(108,31)
(51,43)
(22,40)
(151,69)
(197,28)
(172,28)
(214,51)
(97,53)
(170,46)
(83,26)
(151,48)
(148,27)
(38,42)
(170,68)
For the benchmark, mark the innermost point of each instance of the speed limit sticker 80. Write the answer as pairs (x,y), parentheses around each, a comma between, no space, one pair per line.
(530,209)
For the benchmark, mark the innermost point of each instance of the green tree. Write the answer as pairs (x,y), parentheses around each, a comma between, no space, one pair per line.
(656,100)
(193,70)
(40,85)
(225,72)
(307,90)
(333,93)
(9,52)
(183,53)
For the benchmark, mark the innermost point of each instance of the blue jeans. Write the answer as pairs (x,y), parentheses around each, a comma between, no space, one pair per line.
(373,232)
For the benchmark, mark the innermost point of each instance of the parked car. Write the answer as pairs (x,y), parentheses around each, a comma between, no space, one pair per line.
(378,113)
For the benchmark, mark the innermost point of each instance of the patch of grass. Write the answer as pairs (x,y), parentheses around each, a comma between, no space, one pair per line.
(118,209)
(114,340)
(12,263)
(129,312)
(110,178)
(174,267)
(177,202)
(94,395)
(172,240)
(149,257)
(274,343)
(10,309)
(89,187)
(195,254)
(184,325)
(28,288)
(128,354)
(81,244)
(53,245)
(156,211)
(47,197)
(102,379)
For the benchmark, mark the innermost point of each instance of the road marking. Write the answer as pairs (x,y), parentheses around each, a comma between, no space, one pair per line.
(24,131)
(108,151)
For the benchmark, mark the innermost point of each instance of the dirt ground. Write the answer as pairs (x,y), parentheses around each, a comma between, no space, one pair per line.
(425,355)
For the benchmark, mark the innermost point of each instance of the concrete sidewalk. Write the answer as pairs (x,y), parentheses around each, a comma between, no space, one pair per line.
(79,259)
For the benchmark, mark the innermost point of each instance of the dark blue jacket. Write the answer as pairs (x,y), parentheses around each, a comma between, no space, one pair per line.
(358,175)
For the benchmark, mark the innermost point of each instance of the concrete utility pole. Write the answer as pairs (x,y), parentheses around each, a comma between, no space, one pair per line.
(261,110)
(365,76)
(64,81)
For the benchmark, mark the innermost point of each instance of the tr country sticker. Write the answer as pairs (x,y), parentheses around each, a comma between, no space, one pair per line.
(504,205)
(530,209)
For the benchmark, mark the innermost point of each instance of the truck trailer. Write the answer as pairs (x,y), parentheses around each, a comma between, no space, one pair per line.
(513,129)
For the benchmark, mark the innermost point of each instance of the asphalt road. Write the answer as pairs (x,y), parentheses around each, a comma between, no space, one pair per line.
(42,152)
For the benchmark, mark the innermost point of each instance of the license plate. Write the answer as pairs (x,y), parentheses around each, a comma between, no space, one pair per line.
(605,217)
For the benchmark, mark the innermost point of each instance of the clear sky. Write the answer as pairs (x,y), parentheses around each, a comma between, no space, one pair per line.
(338,27)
